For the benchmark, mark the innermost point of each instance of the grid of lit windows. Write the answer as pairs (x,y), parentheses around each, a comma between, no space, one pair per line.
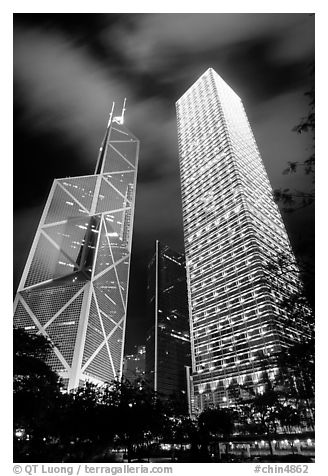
(75,283)
(233,231)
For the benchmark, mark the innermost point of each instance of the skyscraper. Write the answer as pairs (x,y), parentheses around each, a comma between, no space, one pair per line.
(168,341)
(233,233)
(74,286)
(134,365)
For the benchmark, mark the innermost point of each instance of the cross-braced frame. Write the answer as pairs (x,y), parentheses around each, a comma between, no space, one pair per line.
(74,287)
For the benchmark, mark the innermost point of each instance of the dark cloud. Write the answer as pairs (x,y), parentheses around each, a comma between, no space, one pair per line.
(26,220)
(161,45)
(62,86)
(68,68)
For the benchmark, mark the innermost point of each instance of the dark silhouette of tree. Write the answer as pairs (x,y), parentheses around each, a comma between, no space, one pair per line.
(259,412)
(84,424)
(180,430)
(289,418)
(176,404)
(285,277)
(36,391)
(297,378)
(139,413)
(31,373)
(214,423)
(296,360)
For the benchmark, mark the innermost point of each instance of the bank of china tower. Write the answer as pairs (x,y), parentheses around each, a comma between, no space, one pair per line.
(74,287)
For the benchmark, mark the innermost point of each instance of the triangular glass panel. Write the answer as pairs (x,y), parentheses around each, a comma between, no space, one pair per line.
(122,128)
(71,236)
(45,302)
(55,363)
(82,188)
(108,295)
(100,366)
(122,270)
(87,254)
(62,207)
(63,330)
(115,226)
(22,319)
(107,323)
(104,257)
(66,281)
(116,134)
(128,150)
(115,344)
(105,302)
(113,229)
(94,319)
(48,263)
(95,336)
(118,232)
(108,198)
(123,183)
(119,252)
(114,162)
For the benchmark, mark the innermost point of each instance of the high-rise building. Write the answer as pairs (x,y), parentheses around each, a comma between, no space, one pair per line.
(233,233)
(134,365)
(168,341)
(74,286)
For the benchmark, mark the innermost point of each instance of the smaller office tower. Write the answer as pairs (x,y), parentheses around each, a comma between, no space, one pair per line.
(74,287)
(134,365)
(168,341)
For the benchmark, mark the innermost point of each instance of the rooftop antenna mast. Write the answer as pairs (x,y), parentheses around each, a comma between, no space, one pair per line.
(111,115)
(103,147)
(120,119)
(123,110)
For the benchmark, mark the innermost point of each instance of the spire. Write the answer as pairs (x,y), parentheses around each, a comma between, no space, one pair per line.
(110,115)
(123,110)
(120,119)
(103,147)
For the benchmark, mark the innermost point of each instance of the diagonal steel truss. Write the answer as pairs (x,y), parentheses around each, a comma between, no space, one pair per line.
(74,287)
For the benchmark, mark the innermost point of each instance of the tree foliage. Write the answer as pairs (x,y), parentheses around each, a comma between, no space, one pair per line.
(83,425)
(36,387)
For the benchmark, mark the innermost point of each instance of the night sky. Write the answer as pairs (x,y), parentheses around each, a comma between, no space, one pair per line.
(68,68)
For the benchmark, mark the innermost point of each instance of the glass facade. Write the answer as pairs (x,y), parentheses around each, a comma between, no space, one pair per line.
(75,283)
(134,365)
(168,340)
(233,233)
